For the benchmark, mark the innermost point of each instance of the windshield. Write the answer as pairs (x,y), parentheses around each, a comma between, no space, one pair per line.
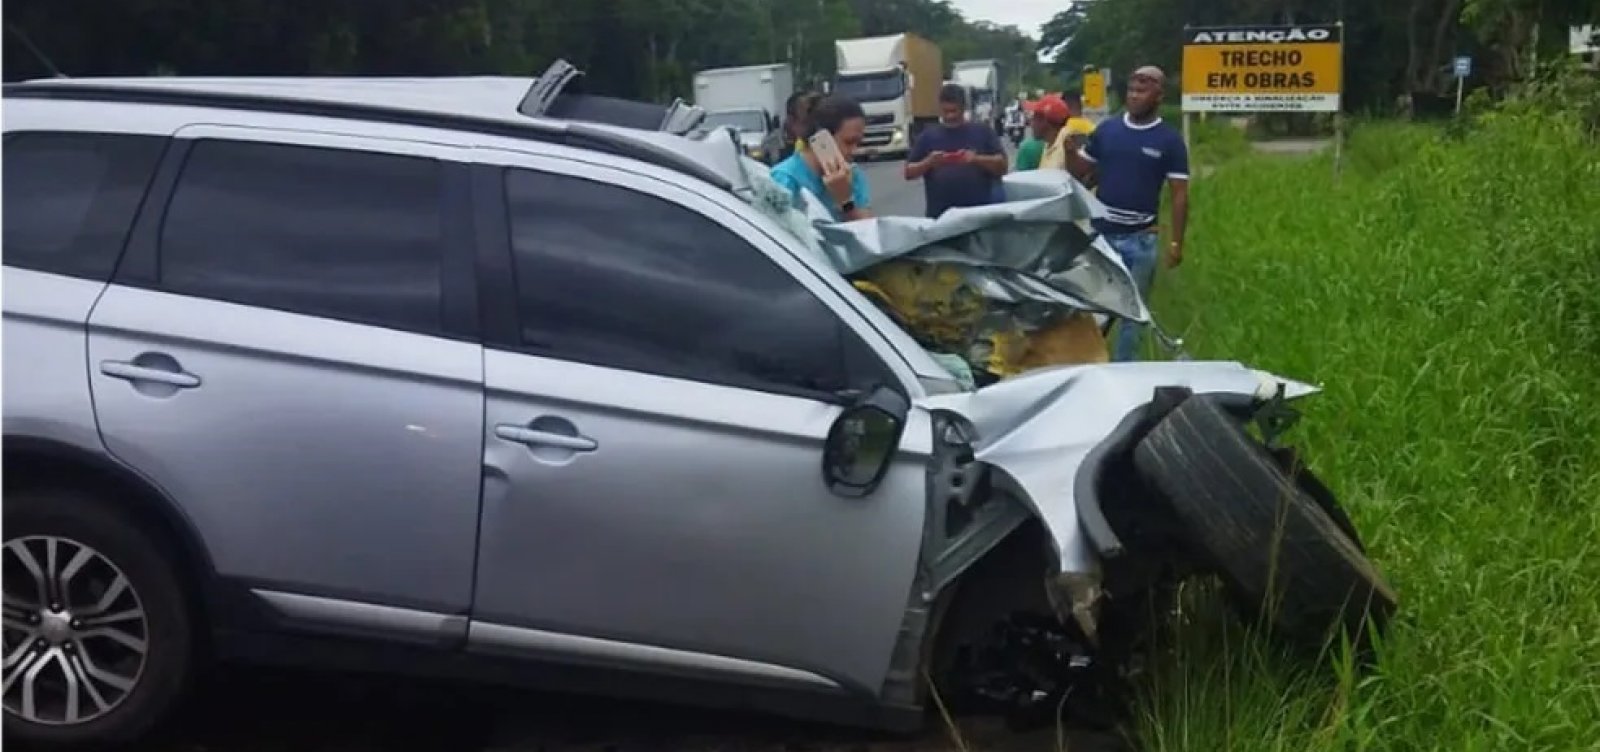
(744,121)
(871,87)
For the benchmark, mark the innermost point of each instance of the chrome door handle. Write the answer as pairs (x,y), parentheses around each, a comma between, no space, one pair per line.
(526,435)
(133,372)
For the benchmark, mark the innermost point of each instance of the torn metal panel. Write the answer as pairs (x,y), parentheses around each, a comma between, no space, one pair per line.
(1036,247)
(966,518)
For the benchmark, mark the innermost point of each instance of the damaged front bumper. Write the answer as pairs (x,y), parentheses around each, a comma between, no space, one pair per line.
(1045,436)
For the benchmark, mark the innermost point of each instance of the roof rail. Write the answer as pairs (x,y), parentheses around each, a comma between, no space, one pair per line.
(549,97)
(573,132)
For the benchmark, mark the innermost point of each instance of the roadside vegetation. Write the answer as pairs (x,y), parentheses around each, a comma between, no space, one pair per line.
(1445,290)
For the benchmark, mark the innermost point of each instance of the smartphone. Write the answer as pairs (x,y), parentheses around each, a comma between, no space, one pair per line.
(827,151)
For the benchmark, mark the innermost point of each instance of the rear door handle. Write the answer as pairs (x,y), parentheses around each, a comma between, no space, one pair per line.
(526,435)
(136,373)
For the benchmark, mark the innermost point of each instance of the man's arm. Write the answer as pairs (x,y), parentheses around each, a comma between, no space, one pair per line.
(1180,219)
(1081,166)
(990,156)
(1081,162)
(922,158)
(1178,181)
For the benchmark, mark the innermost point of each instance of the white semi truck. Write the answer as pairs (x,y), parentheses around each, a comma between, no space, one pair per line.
(982,79)
(896,79)
(750,99)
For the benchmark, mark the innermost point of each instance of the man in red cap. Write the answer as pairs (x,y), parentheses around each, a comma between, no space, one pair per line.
(1066,129)
(1043,127)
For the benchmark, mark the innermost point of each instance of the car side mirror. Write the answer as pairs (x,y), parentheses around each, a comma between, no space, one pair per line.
(863,441)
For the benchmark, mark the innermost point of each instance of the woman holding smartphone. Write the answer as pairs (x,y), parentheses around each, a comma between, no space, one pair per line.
(825,168)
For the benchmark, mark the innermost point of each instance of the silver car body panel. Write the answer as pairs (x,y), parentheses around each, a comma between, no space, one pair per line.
(371,448)
(499,639)
(352,618)
(45,328)
(630,537)
(373,427)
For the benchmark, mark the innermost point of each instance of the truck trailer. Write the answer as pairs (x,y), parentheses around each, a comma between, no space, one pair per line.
(982,79)
(750,99)
(896,79)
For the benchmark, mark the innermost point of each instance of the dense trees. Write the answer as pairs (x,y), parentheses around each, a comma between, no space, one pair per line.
(640,48)
(651,48)
(1392,47)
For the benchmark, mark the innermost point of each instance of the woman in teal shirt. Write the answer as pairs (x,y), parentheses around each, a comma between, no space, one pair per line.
(844,192)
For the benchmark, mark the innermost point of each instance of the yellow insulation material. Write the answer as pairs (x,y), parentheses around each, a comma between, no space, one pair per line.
(937,304)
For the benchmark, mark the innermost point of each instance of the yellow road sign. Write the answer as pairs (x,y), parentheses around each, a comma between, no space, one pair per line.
(1263,68)
(1094,89)
(1096,105)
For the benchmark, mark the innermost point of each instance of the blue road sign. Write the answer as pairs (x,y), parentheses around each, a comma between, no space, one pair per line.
(1463,66)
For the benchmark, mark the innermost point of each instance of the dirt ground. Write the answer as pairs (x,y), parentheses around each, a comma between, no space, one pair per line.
(261,711)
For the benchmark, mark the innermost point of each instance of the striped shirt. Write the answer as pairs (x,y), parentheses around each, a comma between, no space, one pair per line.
(1132,162)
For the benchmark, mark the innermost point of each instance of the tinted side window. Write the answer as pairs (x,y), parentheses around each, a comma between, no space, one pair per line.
(326,232)
(70,199)
(613,277)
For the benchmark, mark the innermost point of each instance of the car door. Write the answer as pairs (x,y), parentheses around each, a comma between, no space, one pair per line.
(289,350)
(70,199)
(659,387)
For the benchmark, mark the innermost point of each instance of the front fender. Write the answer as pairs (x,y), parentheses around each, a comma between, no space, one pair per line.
(1042,430)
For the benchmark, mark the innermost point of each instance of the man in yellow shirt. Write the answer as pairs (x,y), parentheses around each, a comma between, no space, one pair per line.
(1076,128)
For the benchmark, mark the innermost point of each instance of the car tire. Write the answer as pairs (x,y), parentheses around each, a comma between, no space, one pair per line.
(97,634)
(1290,557)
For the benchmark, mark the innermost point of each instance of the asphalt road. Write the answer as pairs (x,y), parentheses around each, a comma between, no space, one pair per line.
(890,192)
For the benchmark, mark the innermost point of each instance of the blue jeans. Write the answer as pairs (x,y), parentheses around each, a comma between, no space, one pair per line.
(1138,252)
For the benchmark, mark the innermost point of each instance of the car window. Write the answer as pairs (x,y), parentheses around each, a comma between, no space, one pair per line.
(350,235)
(610,276)
(70,199)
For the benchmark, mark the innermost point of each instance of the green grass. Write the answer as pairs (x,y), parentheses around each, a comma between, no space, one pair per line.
(1214,141)
(1446,292)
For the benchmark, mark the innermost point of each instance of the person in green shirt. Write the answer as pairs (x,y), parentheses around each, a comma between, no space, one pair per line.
(1029,152)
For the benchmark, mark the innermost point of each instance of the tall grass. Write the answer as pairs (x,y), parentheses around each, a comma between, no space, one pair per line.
(1446,291)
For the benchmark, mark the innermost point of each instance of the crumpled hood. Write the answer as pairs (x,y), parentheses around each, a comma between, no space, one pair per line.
(1038,428)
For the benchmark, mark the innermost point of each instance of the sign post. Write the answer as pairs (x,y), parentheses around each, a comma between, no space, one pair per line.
(1095,102)
(1463,68)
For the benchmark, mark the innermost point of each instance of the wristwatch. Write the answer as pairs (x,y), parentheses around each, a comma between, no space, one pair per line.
(847,207)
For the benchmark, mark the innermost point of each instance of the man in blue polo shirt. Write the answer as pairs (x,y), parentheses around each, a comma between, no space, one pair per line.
(959,162)
(1130,158)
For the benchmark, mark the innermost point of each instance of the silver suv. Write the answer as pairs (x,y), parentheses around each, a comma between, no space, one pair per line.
(391,375)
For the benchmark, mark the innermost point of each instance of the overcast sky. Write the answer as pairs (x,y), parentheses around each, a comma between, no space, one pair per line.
(1027,15)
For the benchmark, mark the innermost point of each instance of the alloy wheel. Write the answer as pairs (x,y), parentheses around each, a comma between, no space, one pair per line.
(76,635)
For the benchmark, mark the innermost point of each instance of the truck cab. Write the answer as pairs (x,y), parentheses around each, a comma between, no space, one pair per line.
(896,80)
